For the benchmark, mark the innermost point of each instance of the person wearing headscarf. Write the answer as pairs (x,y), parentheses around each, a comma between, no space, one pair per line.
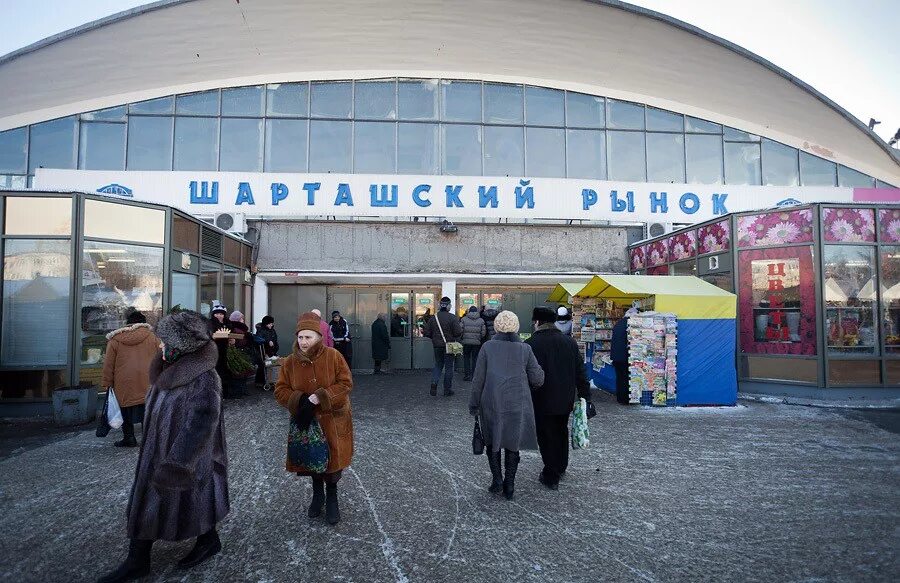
(180,488)
(315,382)
(340,333)
(505,374)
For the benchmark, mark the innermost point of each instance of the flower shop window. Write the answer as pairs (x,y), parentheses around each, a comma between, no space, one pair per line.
(846,225)
(775,228)
(889,225)
(777,301)
(850,284)
(714,238)
(682,246)
(638,259)
(890,298)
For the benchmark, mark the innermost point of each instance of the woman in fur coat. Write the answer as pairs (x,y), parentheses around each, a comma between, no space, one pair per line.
(180,486)
(315,381)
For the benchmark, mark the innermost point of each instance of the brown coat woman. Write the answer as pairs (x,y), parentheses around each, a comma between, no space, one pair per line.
(316,382)
(126,368)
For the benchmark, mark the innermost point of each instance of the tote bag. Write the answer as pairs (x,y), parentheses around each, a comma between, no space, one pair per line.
(307,449)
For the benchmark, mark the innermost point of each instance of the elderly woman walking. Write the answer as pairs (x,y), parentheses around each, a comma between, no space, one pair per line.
(180,486)
(315,383)
(505,373)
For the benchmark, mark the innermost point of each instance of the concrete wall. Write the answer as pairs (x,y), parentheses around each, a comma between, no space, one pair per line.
(421,247)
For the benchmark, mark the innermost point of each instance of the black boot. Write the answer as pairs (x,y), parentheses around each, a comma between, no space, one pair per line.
(511,464)
(433,389)
(496,473)
(137,564)
(332,514)
(207,545)
(318,498)
(128,440)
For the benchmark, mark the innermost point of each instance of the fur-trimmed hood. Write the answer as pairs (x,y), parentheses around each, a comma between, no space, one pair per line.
(130,339)
(184,370)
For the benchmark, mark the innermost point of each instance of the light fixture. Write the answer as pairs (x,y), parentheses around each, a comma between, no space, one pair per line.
(120,260)
(110,251)
(448,227)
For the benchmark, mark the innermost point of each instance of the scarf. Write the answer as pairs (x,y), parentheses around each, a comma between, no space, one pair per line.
(170,354)
(311,354)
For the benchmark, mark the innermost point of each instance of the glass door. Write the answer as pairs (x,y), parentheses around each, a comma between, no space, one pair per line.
(424,308)
(401,331)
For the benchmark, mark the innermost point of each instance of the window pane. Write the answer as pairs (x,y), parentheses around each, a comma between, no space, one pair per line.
(664,121)
(374,147)
(461,100)
(418,148)
(118,280)
(375,100)
(287,99)
(544,107)
(462,150)
(733,135)
(546,152)
(502,103)
(102,146)
(665,157)
(846,177)
(36,313)
(742,163)
(149,143)
(242,145)
(779,164)
(504,151)
(625,115)
(244,101)
(206,103)
(585,111)
(184,290)
(38,216)
(586,154)
(701,126)
(209,286)
(329,146)
(185,234)
(286,145)
(626,156)
(161,106)
(330,99)
(418,99)
(196,143)
(53,144)
(890,298)
(13,150)
(110,220)
(13,181)
(815,171)
(850,294)
(109,114)
(704,159)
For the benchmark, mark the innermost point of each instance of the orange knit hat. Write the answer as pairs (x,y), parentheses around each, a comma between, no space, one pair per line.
(309,321)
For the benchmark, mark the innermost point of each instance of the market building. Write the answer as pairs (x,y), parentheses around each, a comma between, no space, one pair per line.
(377,156)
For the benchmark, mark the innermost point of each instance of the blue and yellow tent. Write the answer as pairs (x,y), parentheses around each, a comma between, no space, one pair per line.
(707,330)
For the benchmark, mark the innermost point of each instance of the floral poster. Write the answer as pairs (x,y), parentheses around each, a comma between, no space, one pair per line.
(715,237)
(638,260)
(776,228)
(682,246)
(659,270)
(777,301)
(657,253)
(889,223)
(842,225)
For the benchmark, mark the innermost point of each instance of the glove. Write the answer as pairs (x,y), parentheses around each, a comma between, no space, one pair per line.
(305,413)
(473,411)
(591,410)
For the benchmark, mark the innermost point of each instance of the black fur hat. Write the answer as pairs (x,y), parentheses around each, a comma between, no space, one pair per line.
(185,331)
(543,315)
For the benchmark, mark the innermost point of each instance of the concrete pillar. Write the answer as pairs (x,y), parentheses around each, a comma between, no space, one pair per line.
(260,298)
(448,288)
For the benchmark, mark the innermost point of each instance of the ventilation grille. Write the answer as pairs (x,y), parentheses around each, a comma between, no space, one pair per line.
(211,244)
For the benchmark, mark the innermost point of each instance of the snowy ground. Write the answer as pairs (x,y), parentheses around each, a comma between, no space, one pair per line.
(756,493)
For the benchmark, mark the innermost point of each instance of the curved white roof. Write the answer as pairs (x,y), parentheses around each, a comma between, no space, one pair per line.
(604,47)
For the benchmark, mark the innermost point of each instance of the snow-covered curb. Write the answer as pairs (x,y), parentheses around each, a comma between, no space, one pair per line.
(836,404)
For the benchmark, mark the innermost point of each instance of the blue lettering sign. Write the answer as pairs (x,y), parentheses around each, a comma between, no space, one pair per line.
(588,198)
(417,195)
(343,195)
(719,204)
(659,201)
(204,194)
(311,188)
(453,191)
(385,198)
(244,195)
(279,192)
(617,205)
(524,194)
(487,195)
(693,199)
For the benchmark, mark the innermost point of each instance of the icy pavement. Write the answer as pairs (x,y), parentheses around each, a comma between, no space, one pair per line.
(761,492)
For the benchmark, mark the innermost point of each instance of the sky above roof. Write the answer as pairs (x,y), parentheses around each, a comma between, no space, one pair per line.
(849,51)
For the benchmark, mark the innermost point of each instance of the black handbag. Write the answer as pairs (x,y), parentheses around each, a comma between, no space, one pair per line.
(103,426)
(477,439)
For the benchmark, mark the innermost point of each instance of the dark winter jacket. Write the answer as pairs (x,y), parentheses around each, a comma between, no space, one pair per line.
(222,345)
(181,482)
(489,316)
(450,325)
(267,336)
(247,343)
(473,328)
(619,342)
(564,373)
(381,342)
(340,330)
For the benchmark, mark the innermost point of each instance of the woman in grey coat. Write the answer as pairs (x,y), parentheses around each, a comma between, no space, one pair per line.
(505,373)
(180,486)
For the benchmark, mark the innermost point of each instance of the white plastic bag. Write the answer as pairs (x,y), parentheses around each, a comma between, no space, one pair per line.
(113,411)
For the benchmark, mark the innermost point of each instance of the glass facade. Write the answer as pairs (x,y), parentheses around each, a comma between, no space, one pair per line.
(427,126)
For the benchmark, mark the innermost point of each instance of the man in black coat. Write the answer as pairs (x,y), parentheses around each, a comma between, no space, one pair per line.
(619,356)
(565,380)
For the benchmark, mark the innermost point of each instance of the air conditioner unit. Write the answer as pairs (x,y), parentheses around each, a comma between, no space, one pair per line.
(658,229)
(231,222)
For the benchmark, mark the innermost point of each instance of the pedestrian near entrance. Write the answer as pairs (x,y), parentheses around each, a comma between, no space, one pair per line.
(126,368)
(218,320)
(381,342)
(443,328)
(315,382)
(473,332)
(488,315)
(265,332)
(180,486)
(324,330)
(505,374)
(340,333)
(564,380)
(564,320)
(619,356)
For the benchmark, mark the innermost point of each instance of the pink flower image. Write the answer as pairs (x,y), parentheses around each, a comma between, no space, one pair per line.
(848,225)
(889,223)
(683,246)
(715,237)
(782,233)
(777,228)
(893,230)
(841,230)
(658,253)
(637,258)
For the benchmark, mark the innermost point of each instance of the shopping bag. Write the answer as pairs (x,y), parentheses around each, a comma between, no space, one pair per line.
(103,427)
(580,435)
(477,439)
(113,411)
(307,449)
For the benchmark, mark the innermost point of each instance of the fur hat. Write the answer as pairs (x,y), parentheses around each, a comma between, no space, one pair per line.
(445,303)
(135,317)
(309,321)
(506,321)
(542,315)
(335,313)
(268,320)
(236,316)
(185,331)
(218,307)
